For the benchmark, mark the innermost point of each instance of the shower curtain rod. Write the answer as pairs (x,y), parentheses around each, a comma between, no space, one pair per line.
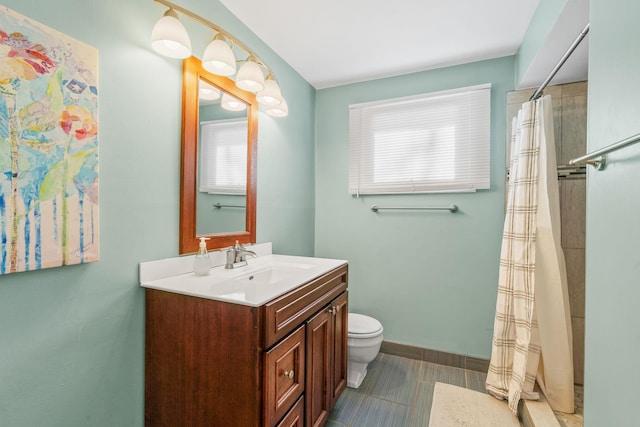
(538,93)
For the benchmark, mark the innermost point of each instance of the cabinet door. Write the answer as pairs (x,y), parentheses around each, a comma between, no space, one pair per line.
(340,311)
(319,342)
(284,369)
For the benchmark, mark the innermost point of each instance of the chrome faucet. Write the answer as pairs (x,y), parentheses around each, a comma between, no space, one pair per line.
(237,256)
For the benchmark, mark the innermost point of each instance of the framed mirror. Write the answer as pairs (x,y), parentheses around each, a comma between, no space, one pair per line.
(219,159)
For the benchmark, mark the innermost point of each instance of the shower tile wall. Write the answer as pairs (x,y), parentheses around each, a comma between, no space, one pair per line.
(570,123)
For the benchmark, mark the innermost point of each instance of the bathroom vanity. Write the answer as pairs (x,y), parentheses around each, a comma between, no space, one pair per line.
(261,346)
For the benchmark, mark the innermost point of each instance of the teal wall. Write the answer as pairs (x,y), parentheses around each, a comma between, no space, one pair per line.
(612,337)
(429,277)
(72,338)
(541,24)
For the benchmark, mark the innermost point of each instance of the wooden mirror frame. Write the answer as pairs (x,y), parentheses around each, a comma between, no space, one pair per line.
(192,72)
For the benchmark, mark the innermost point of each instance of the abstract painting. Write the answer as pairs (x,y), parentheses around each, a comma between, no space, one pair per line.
(49,214)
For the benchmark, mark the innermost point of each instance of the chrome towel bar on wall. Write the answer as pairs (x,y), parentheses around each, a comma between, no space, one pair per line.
(451,208)
(218,206)
(598,158)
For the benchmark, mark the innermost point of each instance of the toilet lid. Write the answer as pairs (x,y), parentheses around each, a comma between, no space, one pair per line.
(361,324)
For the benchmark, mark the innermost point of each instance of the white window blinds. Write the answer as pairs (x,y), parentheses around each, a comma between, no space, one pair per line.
(435,142)
(223,156)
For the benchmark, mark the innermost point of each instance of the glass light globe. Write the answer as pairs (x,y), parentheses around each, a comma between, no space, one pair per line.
(271,94)
(250,77)
(169,37)
(231,103)
(218,57)
(280,110)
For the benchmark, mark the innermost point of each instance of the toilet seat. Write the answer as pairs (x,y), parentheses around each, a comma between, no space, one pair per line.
(361,326)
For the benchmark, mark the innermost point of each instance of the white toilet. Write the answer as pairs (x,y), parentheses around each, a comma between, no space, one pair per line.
(365,338)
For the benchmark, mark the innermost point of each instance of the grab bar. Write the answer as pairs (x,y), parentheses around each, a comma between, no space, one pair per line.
(452,208)
(598,158)
(218,206)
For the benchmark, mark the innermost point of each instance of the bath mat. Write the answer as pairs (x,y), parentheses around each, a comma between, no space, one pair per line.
(459,407)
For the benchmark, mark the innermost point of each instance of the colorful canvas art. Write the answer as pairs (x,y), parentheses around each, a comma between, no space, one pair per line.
(48,147)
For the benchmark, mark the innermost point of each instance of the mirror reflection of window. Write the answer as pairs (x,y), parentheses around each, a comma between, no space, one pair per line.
(223,157)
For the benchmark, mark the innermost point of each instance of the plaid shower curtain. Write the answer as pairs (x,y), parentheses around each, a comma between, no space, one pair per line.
(527,278)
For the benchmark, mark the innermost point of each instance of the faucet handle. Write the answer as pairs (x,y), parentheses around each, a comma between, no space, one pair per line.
(231,257)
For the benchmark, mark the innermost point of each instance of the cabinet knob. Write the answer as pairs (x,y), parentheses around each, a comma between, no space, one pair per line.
(289,374)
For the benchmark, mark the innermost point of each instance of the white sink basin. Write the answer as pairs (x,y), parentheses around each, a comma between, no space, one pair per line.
(270,275)
(263,279)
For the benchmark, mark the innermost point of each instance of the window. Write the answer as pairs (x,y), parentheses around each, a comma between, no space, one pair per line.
(435,142)
(223,156)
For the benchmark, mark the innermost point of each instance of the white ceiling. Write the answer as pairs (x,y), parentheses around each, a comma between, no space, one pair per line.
(336,42)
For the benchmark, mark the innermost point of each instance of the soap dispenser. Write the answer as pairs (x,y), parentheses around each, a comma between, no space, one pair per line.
(202,264)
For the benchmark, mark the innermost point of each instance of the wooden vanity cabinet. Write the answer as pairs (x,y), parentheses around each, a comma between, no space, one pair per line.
(213,363)
(326,337)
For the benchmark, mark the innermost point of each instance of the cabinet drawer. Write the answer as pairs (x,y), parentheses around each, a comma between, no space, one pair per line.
(284,314)
(295,417)
(284,377)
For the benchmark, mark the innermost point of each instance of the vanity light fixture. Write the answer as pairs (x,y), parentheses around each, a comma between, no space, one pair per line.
(170,38)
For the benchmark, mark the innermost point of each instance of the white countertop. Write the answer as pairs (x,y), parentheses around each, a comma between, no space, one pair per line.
(264,279)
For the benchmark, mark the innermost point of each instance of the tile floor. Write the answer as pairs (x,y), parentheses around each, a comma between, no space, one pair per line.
(398,392)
